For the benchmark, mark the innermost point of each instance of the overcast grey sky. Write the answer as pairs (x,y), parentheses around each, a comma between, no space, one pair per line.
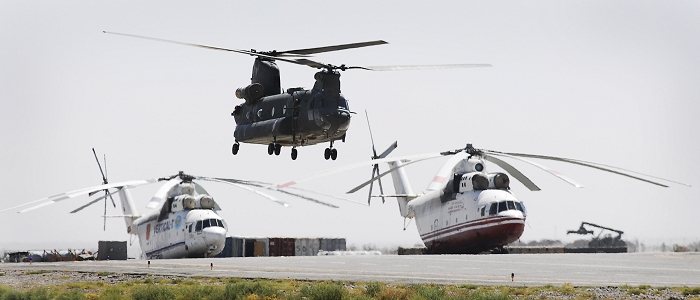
(614,82)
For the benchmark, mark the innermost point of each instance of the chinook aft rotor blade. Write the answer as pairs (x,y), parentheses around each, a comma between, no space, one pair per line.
(421,67)
(597,166)
(513,172)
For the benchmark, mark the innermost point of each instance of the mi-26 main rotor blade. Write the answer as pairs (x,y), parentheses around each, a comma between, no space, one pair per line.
(266,196)
(546,169)
(268,187)
(405,159)
(357,188)
(72,194)
(601,167)
(309,51)
(513,172)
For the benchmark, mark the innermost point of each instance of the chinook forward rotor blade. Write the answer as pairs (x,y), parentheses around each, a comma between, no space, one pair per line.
(597,166)
(309,51)
(513,172)
(251,53)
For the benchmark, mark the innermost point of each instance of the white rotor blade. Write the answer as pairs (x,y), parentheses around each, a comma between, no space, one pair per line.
(357,188)
(72,194)
(404,159)
(162,192)
(599,167)
(513,172)
(273,199)
(269,186)
(546,169)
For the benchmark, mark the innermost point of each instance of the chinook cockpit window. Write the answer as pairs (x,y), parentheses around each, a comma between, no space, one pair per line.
(343,104)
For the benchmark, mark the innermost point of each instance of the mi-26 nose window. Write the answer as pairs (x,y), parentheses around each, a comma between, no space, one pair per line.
(209,223)
(504,206)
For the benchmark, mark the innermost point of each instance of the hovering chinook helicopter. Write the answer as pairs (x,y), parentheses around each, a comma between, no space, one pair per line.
(298,117)
(466,209)
(184,222)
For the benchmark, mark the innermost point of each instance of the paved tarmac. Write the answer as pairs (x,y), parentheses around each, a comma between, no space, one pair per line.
(655,269)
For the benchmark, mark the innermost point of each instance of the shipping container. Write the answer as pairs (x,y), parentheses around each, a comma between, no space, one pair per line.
(232,248)
(249,248)
(281,247)
(237,250)
(332,244)
(111,250)
(306,247)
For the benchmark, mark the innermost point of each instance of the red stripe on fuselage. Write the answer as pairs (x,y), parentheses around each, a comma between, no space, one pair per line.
(467,225)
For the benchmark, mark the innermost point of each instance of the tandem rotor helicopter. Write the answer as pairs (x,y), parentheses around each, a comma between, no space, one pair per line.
(466,209)
(296,117)
(184,222)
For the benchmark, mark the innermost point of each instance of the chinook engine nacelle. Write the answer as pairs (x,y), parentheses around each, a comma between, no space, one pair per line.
(474,181)
(499,181)
(250,93)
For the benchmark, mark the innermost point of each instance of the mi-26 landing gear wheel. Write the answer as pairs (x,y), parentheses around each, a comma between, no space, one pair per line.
(334,154)
(270,149)
(234,150)
(327,153)
(278,149)
(294,153)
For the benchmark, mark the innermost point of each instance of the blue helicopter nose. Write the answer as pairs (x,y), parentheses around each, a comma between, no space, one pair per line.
(340,120)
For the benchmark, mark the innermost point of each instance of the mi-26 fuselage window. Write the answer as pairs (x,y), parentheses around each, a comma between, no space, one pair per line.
(511,205)
(199,226)
(221,224)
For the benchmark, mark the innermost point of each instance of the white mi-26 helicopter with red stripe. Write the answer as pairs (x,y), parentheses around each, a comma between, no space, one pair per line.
(466,209)
(184,222)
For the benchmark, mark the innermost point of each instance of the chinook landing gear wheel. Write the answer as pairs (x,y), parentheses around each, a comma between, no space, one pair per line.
(270,148)
(334,154)
(294,153)
(327,153)
(234,150)
(278,149)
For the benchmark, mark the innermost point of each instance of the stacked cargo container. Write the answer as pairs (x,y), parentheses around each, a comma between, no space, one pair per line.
(250,247)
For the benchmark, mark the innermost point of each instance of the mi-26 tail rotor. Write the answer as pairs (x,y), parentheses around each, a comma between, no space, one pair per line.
(107,193)
(375,167)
